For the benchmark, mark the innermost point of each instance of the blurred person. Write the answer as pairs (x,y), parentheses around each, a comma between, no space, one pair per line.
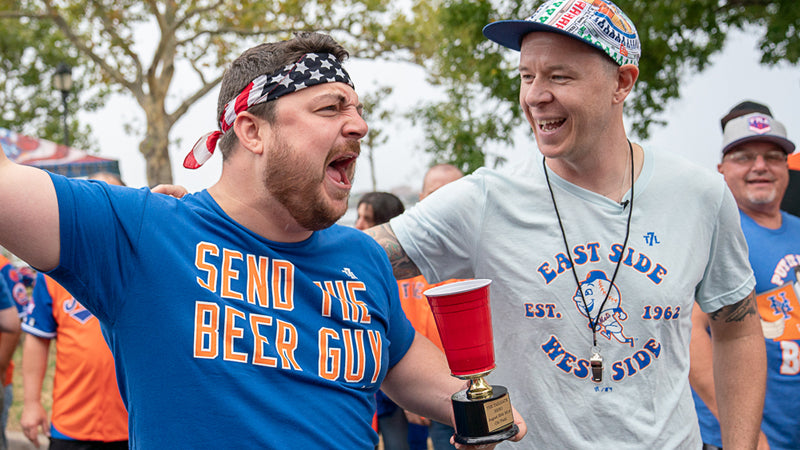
(14,300)
(9,337)
(597,255)
(228,308)
(375,208)
(754,163)
(87,410)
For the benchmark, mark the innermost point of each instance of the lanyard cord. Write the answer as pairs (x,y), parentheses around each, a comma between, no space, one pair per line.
(593,322)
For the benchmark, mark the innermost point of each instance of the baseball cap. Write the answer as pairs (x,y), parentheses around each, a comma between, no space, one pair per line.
(755,127)
(745,107)
(599,23)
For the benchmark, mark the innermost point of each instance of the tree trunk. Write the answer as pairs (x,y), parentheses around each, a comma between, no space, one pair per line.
(155,148)
(155,145)
(159,168)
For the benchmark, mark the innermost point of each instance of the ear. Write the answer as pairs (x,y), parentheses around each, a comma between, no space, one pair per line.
(250,131)
(626,78)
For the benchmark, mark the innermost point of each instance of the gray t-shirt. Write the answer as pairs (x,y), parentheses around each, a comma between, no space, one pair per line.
(685,243)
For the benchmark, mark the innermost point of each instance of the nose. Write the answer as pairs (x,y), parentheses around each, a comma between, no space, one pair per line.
(361,224)
(535,93)
(760,163)
(355,127)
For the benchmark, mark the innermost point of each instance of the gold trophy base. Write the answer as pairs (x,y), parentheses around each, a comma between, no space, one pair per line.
(483,420)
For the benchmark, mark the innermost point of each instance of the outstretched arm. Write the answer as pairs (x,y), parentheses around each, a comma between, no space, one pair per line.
(740,372)
(29,222)
(401,264)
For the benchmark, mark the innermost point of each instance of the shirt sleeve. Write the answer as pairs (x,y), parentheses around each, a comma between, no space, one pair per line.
(440,233)
(728,277)
(100,228)
(40,321)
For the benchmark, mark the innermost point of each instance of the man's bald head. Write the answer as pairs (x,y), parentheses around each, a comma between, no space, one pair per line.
(437,176)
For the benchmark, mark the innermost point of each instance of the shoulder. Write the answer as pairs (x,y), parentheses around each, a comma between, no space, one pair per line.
(686,177)
(348,237)
(790,219)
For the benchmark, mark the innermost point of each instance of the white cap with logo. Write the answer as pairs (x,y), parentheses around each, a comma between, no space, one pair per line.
(755,127)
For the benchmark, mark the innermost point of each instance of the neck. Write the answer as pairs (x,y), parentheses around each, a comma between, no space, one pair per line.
(257,211)
(768,217)
(607,173)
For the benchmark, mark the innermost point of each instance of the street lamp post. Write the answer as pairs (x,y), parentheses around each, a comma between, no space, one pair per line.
(62,81)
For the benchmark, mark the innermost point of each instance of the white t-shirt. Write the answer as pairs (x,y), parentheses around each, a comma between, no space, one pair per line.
(685,243)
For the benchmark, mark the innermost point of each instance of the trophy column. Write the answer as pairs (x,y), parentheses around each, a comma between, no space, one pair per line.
(463,317)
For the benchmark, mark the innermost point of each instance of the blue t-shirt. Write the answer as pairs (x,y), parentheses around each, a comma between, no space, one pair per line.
(15,282)
(774,256)
(223,339)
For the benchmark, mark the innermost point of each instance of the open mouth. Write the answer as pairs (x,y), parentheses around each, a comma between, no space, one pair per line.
(550,124)
(341,170)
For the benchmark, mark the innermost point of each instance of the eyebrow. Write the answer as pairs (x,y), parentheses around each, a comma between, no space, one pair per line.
(340,98)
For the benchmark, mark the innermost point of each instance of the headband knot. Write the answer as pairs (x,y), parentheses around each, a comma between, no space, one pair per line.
(309,70)
(202,150)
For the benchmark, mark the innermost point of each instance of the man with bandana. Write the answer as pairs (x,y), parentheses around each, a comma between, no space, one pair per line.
(642,234)
(241,316)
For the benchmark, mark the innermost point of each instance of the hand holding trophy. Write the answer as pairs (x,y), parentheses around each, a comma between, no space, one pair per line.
(461,310)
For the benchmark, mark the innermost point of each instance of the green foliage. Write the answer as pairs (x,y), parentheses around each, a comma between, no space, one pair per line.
(29,54)
(140,49)
(105,41)
(678,39)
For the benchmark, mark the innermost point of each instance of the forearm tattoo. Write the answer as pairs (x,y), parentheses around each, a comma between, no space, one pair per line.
(402,265)
(738,311)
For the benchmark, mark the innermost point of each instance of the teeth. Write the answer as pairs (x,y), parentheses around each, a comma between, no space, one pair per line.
(548,125)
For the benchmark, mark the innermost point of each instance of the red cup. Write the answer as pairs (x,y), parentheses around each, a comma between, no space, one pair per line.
(464,319)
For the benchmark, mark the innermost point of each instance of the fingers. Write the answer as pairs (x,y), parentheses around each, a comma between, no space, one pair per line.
(173,190)
(32,433)
(519,422)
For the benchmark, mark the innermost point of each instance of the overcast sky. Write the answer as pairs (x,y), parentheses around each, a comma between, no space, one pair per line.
(693,129)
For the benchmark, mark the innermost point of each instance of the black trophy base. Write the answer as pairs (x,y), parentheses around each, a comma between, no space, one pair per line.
(483,421)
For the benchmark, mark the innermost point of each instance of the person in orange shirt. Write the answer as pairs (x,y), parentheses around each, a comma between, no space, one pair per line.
(87,408)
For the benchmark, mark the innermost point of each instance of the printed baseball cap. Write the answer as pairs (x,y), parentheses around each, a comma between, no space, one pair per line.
(599,23)
(755,127)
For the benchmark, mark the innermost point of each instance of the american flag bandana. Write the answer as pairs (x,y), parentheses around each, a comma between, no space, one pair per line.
(309,70)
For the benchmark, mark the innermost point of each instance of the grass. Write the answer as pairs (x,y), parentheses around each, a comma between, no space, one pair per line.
(15,412)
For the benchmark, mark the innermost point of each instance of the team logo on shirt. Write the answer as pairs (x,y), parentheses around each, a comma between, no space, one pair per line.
(610,317)
(597,289)
(349,273)
(77,311)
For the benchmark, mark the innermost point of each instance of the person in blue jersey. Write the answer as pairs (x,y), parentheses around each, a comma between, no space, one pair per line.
(597,253)
(241,316)
(9,336)
(754,163)
(9,316)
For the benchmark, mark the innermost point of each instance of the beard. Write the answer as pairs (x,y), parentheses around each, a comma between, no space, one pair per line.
(762,198)
(297,186)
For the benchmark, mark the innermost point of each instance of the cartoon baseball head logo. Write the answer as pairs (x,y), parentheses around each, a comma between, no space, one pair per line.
(595,288)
